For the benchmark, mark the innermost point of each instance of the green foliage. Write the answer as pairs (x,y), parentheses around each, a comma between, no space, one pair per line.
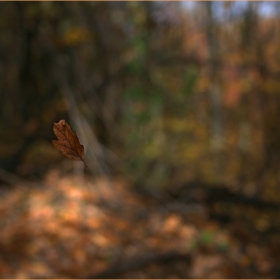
(190,76)
(210,240)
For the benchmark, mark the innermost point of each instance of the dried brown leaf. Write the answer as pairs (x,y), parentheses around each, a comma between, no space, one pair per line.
(68,142)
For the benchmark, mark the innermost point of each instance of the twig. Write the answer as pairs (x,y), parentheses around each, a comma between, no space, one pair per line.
(140,261)
(15,180)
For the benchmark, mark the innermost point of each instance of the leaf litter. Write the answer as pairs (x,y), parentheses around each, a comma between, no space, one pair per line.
(66,230)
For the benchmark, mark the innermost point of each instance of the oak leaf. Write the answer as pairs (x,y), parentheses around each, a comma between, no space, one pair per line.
(68,142)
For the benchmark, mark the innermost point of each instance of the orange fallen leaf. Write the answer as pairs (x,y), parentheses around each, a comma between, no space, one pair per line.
(68,142)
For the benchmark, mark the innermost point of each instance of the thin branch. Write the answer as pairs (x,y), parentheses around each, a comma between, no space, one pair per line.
(139,262)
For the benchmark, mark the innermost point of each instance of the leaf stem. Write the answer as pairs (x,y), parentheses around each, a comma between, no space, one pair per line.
(85,163)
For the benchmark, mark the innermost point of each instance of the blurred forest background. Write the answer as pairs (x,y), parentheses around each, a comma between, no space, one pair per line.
(178,107)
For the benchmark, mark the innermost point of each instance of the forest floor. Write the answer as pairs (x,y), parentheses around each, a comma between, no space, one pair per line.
(77,227)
